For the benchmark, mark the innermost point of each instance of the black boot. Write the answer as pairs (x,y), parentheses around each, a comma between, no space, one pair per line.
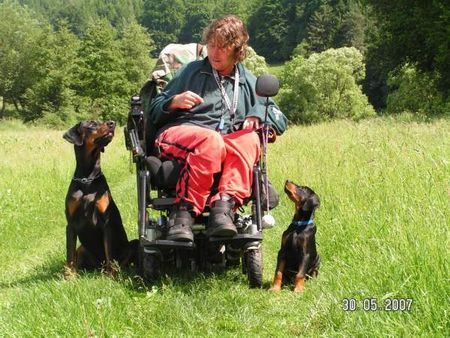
(221,217)
(180,223)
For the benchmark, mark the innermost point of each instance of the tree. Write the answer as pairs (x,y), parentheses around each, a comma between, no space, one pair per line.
(79,14)
(52,94)
(100,76)
(136,46)
(199,13)
(278,27)
(352,28)
(164,20)
(413,92)
(324,86)
(268,29)
(321,29)
(198,16)
(414,31)
(21,56)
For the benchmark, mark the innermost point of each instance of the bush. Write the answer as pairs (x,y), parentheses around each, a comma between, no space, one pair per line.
(415,93)
(256,63)
(324,86)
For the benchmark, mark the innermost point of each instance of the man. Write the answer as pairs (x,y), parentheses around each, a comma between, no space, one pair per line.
(207,117)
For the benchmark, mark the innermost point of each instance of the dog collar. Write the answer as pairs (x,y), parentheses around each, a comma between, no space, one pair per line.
(300,223)
(86,180)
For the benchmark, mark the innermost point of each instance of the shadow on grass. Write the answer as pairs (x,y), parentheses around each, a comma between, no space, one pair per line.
(186,281)
(49,271)
(182,279)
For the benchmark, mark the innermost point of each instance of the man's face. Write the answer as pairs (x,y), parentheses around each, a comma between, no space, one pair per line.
(221,58)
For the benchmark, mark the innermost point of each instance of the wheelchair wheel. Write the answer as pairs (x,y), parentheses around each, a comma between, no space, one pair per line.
(232,256)
(149,266)
(252,265)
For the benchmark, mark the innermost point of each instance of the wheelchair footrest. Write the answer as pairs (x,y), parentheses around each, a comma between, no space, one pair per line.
(162,203)
(166,244)
(238,240)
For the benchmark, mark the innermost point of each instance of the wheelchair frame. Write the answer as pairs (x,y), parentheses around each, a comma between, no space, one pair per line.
(156,253)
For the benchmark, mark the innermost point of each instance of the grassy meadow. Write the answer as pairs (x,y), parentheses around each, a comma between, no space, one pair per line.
(383,234)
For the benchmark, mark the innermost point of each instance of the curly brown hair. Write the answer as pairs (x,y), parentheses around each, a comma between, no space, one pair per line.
(228,31)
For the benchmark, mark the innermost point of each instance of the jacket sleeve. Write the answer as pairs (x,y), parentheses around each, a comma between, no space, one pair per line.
(274,117)
(159,115)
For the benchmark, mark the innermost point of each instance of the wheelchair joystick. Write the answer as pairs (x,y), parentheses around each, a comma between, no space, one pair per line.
(267,86)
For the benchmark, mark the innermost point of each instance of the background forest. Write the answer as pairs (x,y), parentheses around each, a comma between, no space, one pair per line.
(61,61)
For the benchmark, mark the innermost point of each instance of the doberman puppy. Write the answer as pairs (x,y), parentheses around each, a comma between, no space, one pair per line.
(91,213)
(298,258)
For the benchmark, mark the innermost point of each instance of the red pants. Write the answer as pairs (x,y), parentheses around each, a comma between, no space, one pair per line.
(205,152)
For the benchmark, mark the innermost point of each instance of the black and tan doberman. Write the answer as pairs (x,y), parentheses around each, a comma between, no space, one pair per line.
(298,258)
(92,216)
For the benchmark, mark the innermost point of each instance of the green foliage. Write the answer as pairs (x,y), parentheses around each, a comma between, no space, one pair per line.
(268,28)
(100,74)
(411,91)
(278,27)
(47,73)
(324,86)
(164,19)
(53,77)
(110,69)
(321,29)
(411,32)
(136,45)
(256,63)
(198,16)
(79,14)
(52,96)
(22,62)
(354,21)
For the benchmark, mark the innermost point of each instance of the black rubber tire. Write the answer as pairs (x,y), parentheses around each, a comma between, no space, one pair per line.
(150,267)
(232,257)
(254,267)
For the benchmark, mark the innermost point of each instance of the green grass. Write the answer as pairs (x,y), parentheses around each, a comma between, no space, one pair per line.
(276,69)
(383,232)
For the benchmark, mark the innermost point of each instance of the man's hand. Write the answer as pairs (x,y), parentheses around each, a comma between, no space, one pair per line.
(251,122)
(185,100)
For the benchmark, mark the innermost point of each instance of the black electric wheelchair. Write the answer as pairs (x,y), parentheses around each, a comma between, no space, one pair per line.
(156,181)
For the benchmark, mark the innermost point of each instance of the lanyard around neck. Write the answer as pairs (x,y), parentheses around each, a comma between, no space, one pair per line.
(232,106)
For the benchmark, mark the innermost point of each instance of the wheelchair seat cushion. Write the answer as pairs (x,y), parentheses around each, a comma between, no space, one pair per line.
(163,174)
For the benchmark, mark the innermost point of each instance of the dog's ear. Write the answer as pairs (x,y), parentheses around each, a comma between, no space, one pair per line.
(73,135)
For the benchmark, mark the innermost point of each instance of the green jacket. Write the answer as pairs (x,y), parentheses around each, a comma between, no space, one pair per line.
(197,77)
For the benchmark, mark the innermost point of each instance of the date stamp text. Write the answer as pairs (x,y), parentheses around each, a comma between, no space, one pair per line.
(373,304)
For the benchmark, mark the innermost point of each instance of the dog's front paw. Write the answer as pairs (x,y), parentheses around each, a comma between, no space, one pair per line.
(277,281)
(70,272)
(112,269)
(299,284)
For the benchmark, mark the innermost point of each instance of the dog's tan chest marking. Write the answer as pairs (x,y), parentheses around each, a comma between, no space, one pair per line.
(102,203)
(78,199)
(74,202)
